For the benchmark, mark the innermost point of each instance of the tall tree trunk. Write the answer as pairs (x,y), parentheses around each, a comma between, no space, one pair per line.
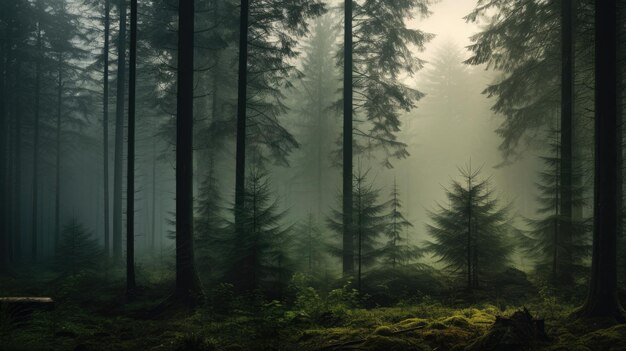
(187,283)
(469,231)
(35,217)
(557,213)
(4,247)
(130,169)
(18,164)
(567,109)
(242,96)
(154,157)
(602,298)
(348,239)
(105,122)
(57,205)
(119,135)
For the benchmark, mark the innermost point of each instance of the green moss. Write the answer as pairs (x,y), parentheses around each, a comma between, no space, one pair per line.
(437,325)
(383,330)
(613,338)
(412,323)
(457,321)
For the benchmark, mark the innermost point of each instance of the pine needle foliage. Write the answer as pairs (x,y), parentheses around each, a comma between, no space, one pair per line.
(78,251)
(397,251)
(370,222)
(257,257)
(560,245)
(471,235)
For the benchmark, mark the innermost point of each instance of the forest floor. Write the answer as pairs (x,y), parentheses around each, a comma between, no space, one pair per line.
(91,315)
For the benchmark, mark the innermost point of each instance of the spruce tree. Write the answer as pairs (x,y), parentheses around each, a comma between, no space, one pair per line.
(397,251)
(257,257)
(559,244)
(310,245)
(470,236)
(77,252)
(208,225)
(375,52)
(369,224)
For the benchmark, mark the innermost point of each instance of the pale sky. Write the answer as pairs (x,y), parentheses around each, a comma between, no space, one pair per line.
(446,22)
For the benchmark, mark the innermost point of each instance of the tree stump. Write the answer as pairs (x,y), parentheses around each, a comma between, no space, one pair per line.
(518,332)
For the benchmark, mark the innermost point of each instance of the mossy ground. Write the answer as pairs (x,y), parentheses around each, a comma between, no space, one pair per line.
(90,315)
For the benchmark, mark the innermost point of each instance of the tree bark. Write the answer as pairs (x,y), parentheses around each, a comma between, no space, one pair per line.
(130,169)
(18,165)
(567,110)
(35,217)
(187,283)
(602,298)
(119,135)
(242,96)
(105,122)
(4,247)
(57,199)
(348,239)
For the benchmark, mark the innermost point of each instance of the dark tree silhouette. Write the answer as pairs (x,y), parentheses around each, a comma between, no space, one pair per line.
(105,121)
(119,133)
(77,252)
(188,287)
(602,298)
(130,169)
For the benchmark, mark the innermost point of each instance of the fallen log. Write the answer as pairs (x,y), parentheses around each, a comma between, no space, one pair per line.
(20,309)
(44,303)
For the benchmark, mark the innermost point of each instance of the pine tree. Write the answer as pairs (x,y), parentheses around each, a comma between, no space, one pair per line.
(448,82)
(310,246)
(263,71)
(259,252)
(375,53)
(369,224)
(471,235)
(311,105)
(560,244)
(77,252)
(397,250)
(119,132)
(208,226)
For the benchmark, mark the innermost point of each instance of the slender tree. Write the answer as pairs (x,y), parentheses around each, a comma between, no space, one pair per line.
(372,64)
(4,247)
(559,256)
(397,249)
(119,133)
(105,121)
(188,287)
(242,93)
(567,113)
(35,203)
(260,259)
(57,207)
(130,168)
(602,300)
(348,243)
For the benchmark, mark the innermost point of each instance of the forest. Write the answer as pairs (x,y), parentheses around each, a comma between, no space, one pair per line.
(312,175)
